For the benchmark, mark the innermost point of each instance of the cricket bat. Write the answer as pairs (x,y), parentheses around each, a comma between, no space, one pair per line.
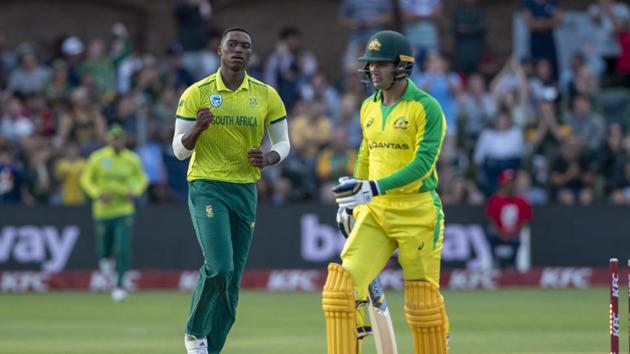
(381,320)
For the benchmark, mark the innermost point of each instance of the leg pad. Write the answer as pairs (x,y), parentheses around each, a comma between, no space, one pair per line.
(426,316)
(339,306)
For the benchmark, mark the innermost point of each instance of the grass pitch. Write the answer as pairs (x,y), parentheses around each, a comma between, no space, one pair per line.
(515,321)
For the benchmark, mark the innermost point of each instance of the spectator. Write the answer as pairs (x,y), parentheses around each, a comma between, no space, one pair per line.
(507,214)
(289,66)
(623,63)
(456,190)
(610,155)
(571,175)
(100,69)
(469,25)
(349,118)
(362,18)
(542,17)
(38,153)
(545,132)
(81,123)
(13,188)
(58,88)
(151,157)
(72,49)
(310,130)
(420,25)
(621,194)
(7,61)
(444,86)
(298,180)
(607,16)
(510,89)
(585,124)
(191,19)
(68,169)
(499,147)
(543,85)
(334,162)
(14,125)
(477,106)
(534,193)
(319,88)
(579,78)
(29,77)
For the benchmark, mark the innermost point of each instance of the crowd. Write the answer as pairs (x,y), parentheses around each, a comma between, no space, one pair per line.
(563,131)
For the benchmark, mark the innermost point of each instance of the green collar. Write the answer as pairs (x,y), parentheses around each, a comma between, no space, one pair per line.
(407,95)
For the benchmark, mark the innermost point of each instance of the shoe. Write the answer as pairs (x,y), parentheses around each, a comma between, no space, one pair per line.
(119,295)
(106,265)
(194,345)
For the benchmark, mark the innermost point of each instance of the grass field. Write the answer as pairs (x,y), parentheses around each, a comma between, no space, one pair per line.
(505,321)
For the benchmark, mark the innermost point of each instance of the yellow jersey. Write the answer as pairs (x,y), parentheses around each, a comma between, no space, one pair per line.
(240,118)
(116,174)
(401,142)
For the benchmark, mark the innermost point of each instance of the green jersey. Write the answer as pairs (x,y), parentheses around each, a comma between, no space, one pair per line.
(116,174)
(240,118)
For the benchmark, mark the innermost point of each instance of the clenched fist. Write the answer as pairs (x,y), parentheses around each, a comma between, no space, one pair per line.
(204,119)
(256,157)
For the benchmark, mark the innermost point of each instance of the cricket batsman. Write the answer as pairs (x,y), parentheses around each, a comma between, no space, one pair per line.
(395,204)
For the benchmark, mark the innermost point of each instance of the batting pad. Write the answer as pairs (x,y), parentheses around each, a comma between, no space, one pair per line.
(338,303)
(426,316)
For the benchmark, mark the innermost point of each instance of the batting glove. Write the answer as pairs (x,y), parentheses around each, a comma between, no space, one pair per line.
(345,221)
(352,192)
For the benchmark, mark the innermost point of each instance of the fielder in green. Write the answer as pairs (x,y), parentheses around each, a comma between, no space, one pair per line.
(220,124)
(113,177)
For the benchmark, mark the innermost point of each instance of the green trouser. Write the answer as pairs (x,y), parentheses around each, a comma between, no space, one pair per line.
(113,237)
(223,216)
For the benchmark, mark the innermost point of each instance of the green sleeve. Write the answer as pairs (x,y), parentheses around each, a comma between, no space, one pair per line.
(361,165)
(87,179)
(140,180)
(429,144)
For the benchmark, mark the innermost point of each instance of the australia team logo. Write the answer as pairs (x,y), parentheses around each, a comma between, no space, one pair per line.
(216,100)
(401,123)
(369,122)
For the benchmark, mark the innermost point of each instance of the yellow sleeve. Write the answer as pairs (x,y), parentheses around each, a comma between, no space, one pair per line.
(139,181)
(275,111)
(188,104)
(362,164)
(87,178)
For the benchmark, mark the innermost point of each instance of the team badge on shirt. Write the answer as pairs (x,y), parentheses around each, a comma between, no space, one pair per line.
(369,122)
(106,163)
(252,101)
(209,211)
(216,100)
(401,123)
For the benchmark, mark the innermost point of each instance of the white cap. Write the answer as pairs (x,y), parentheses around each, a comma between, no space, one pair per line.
(72,46)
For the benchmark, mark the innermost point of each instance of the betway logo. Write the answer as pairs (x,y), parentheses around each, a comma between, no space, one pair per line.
(47,245)
(462,243)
